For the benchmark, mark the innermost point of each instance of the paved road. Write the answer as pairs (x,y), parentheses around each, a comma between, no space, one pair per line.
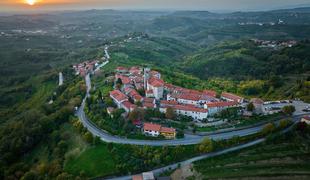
(173,166)
(187,140)
(161,170)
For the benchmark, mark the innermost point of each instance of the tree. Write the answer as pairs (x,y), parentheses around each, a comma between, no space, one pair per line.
(170,114)
(284,123)
(289,110)
(206,145)
(88,137)
(136,114)
(268,128)
(119,81)
(250,107)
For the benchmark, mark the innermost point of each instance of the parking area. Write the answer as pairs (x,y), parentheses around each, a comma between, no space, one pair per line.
(276,106)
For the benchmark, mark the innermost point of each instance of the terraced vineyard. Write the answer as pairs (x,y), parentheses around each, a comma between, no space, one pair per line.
(286,157)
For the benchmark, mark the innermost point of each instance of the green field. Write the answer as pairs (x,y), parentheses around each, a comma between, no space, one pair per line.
(94,161)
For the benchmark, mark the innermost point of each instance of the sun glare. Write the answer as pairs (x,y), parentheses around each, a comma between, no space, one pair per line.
(31,2)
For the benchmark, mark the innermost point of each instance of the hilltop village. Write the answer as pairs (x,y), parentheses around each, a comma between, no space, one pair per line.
(138,87)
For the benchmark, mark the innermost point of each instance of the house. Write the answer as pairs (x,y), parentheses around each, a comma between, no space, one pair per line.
(149,93)
(118,97)
(125,79)
(210,93)
(156,130)
(155,74)
(216,107)
(135,70)
(168,133)
(128,106)
(149,100)
(151,129)
(157,86)
(133,94)
(121,69)
(186,110)
(231,97)
(306,119)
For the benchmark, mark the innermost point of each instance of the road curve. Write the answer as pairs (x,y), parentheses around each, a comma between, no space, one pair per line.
(187,140)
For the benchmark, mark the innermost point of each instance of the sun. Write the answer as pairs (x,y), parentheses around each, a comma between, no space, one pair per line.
(31,2)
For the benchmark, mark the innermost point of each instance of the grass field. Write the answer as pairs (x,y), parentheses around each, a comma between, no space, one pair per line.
(288,156)
(94,161)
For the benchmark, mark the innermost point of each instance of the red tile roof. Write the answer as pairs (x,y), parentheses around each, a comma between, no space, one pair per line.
(149,91)
(209,93)
(151,127)
(118,95)
(135,95)
(125,79)
(167,130)
(129,105)
(156,82)
(221,104)
(149,100)
(121,68)
(164,102)
(231,96)
(137,177)
(148,105)
(158,127)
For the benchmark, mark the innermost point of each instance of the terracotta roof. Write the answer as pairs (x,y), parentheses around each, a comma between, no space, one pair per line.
(121,68)
(118,95)
(156,82)
(231,96)
(151,127)
(167,130)
(149,91)
(137,177)
(125,79)
(221,104)
(148,105)
(209,93)
(129,105)
(164,102)
(135,95)
(149,100)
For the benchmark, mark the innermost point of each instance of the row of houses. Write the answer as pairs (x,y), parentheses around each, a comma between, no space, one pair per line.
(158,94)
(85,67)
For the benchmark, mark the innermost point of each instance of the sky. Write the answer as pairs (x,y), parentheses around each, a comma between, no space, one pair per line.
(211,5)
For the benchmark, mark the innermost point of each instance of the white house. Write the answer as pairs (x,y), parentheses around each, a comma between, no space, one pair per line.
(216,107)
(186,110)
(151,129)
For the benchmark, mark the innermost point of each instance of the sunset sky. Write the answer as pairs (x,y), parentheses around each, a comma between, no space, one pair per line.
(21,5)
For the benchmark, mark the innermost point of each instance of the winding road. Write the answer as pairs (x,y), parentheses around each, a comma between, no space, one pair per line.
(187,140)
